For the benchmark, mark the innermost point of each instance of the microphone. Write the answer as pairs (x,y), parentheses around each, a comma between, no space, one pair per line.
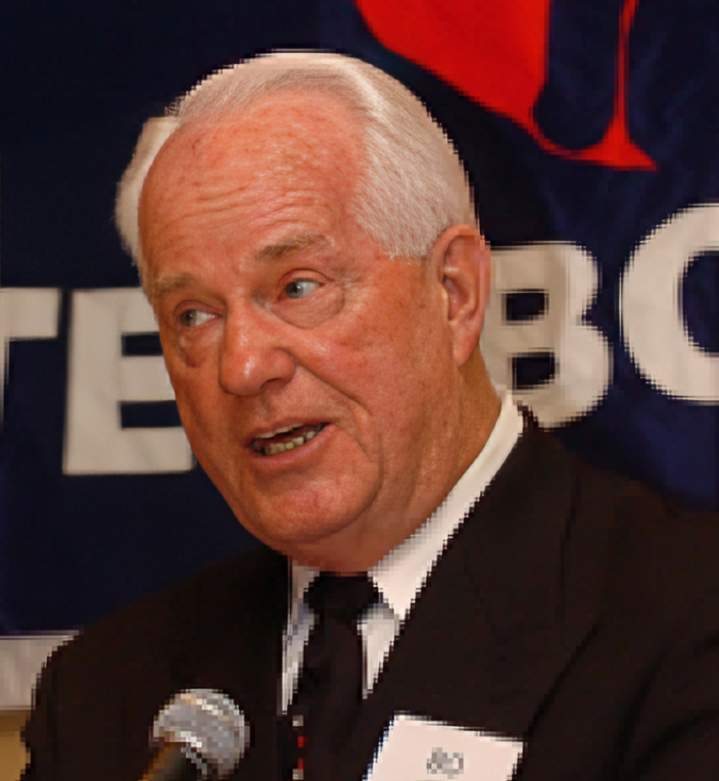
(200,735)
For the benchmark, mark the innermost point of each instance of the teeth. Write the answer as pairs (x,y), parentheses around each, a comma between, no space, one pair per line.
(275,448)
(275,433)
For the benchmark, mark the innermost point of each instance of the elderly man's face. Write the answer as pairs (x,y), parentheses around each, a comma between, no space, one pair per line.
(314,375)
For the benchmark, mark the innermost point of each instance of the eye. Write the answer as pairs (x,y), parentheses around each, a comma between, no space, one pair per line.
(191,318)
(299,288)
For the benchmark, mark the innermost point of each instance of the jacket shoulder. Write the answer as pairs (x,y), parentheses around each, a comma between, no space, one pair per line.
(98,694)
(189,609)
(650,552)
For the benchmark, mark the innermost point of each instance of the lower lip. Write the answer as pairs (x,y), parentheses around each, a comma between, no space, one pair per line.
(294,457)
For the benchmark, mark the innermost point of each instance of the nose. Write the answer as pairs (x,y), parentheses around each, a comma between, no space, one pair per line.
(254,355)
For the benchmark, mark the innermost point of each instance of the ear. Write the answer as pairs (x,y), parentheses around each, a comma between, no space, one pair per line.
(463,265)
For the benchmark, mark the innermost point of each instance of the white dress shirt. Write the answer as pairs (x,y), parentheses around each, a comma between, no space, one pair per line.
(400,575)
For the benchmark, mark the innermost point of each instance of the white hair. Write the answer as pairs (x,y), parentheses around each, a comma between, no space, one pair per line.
(413,185)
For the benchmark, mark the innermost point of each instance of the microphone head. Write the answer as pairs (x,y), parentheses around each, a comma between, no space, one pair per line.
(207,722)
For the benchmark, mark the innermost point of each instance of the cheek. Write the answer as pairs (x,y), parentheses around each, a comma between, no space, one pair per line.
(193,387)
(387,366)
(413,361)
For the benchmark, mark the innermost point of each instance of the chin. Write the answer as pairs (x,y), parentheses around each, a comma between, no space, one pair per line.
(291,530)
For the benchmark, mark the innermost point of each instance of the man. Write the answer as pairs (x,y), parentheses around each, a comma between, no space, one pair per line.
(306,237)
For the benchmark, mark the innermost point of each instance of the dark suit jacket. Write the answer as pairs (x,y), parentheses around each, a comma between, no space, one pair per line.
(572,609)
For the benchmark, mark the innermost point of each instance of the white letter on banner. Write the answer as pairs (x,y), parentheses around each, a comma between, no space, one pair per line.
(100,377)
(25,313)
(568,276)
(655,333)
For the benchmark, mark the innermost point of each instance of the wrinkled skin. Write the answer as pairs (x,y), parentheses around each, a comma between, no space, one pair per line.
(275,309)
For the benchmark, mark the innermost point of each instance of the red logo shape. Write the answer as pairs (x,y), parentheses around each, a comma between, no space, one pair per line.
(496,53)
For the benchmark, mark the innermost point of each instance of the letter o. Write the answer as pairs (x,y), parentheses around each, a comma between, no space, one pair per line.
(653,327)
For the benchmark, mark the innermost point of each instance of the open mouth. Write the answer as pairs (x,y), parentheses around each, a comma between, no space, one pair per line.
(285,439)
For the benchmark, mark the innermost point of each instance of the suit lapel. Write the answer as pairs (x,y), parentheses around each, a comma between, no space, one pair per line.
(491,632)
(522,538)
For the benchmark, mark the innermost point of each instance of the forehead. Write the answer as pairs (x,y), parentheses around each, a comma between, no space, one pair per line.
(290,150)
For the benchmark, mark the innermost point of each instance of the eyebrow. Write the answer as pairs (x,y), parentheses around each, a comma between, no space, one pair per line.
(163,286)
(266,254)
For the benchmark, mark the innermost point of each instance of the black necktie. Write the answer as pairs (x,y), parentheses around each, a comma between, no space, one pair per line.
(329,690)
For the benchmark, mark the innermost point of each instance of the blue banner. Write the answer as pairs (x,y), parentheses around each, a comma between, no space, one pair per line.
(589,133)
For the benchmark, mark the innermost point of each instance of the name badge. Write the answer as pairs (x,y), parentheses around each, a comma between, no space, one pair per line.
(417,749)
